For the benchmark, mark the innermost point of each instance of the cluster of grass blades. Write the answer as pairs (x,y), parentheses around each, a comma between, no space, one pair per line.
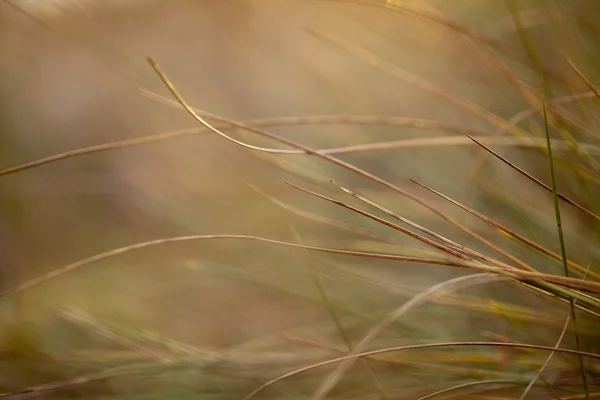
(550,344)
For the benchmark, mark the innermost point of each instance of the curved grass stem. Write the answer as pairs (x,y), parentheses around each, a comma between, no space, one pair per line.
(415,347)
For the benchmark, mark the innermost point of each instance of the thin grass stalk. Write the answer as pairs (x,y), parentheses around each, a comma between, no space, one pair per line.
(534,179)
(563,248)
(469,385)
(582,77)
(458,246)
(485,46)
(404,75)
(309,120)
(435,291)
(318,279)
(411,361)
(473,303)
(324,220)
(501,267)
(514,274)
(446,249)
(415,347)
(113,336)
(114,252)
(530,95)
(441,20)
(558,343)
(506,230)
(394,215)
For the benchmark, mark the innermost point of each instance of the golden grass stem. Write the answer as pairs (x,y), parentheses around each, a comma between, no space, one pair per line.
(415,347)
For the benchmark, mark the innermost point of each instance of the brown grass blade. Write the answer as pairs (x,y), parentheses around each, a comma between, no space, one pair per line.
(460,247)
(506,230)
(438,290)
(415,347)
(98,257)
(328,221)
(409,77)
(438,19)
(582,77)
(449,250)
(501,268)
(253,125)
(534,179)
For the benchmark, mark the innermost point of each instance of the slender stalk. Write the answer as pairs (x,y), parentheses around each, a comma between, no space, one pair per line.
(415,347)
(562,247)
(333,313)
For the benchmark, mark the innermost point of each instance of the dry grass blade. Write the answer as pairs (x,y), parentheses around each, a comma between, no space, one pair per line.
(340,327)
(88,322)
(533,179)
(399,73)
(98,257)
(558,343)
(470,385)
(206,124)
(445,249)
(573,283)
(386,120)
(100,148)
(407,221)
(497,62)
(595,395)
(555,104)
(435,291)
(45,389)
(473,303)
(319,120)
(440,361)
(583,77)
(535,102)
(460,247)
(438,19)
(559,101)
(515,274)
(526,142)
(328,221)
(486,44)
(467,105)
(507,231)
(415,347)
(254,125)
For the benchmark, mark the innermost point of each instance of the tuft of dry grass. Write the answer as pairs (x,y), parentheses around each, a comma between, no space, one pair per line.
(516,315)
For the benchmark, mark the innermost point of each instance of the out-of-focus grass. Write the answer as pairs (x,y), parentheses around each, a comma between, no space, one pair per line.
(195,317)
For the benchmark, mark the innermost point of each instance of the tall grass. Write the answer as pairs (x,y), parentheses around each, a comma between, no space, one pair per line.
(518,315)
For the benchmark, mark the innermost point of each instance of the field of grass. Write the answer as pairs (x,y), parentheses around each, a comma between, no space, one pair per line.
(432,233)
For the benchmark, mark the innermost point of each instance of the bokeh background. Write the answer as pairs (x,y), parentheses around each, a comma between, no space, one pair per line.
(74,74)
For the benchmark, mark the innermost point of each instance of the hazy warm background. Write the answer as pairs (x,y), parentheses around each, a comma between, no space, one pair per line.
(74,74)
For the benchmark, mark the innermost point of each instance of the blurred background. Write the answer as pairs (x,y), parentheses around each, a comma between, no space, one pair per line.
(74,74)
